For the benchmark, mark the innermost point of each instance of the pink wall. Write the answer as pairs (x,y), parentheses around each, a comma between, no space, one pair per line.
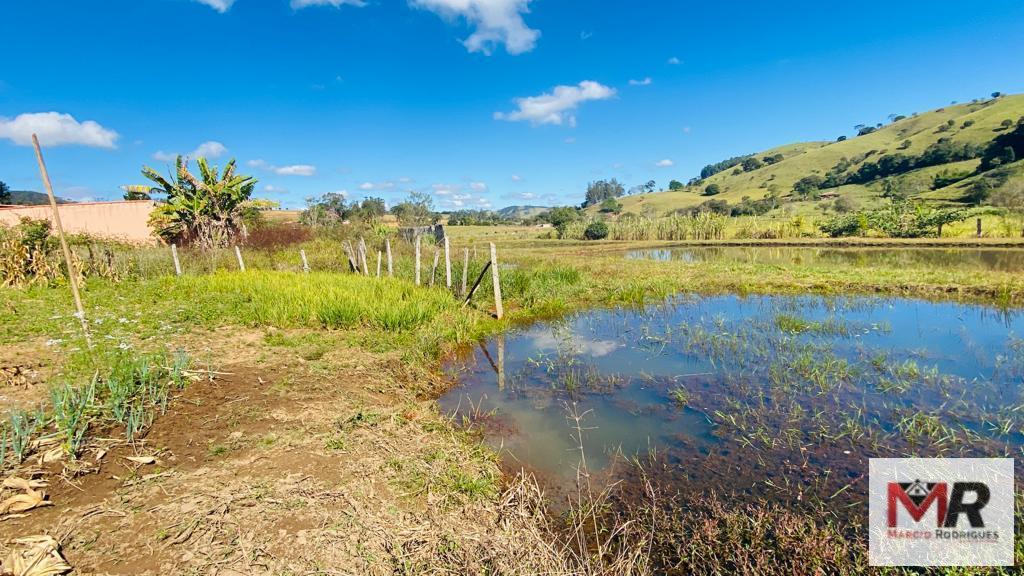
(126,221)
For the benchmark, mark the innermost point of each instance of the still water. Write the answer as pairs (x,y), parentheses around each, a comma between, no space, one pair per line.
(998,259)
(758,395)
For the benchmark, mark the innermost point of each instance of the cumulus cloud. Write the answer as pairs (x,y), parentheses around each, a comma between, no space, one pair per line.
(495,22)
(210,150)
(56,129)
(221,6)
(270,188)
(380,186)
(674,61)
(445,189)
(558,106)
(666,163)
(293,170)
(478,186)
(299,4)
(517,178)
(645,82)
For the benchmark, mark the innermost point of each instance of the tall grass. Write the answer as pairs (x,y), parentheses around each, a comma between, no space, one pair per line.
(701,226)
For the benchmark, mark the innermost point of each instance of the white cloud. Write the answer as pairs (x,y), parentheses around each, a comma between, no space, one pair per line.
(686,129)
(221,6)
(209,150)
(666,163)
(517,178)
(445,189)
(674,61)
(570,140)
(274,189)
(645,82)
(293,170)
(386,185)
(478,186)
(300,4)
(584,35)
(558,106)
(56,129)
(495,22)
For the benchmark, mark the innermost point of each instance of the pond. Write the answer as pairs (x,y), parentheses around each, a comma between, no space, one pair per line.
(998,259)
(779,398)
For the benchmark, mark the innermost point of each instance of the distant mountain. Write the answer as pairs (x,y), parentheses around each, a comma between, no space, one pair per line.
(29,198)
(936,156)
(521,212)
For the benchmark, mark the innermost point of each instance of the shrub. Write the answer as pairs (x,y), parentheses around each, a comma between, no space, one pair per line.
(808,185)
(844,225)
(712,190)
(597,230)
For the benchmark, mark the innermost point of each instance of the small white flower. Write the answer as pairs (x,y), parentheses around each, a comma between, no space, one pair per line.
(124,346)
(53,341)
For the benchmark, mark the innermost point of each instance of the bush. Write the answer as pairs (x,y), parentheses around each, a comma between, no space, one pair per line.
(596,231)
(712,189)
(611,205)
(808,185)
(844,225)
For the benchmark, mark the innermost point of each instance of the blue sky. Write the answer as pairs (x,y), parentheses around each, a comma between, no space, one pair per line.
(482,103)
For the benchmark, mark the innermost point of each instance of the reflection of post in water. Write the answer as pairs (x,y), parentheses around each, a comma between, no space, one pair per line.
(499,366)
(501,362)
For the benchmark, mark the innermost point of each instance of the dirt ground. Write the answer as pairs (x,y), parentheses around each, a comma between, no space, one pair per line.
(294,459)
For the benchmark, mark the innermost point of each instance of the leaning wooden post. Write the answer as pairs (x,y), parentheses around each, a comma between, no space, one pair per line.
(465,270)
(241,263)
(476,284)
(177,263)
(305,263)
(447,263)
(979,227)
(433,270)
(498,308)
(72,275)
(362,256)
(417,260)
(378,263)
(391,268)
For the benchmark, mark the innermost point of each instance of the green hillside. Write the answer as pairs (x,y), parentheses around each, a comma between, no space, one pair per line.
(975,123)
(28,198)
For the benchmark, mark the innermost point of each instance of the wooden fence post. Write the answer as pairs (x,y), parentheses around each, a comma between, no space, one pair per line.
(498,308)
(417,260)
(72,275)
(465,270)
(433,270)
(353,263)
(362,256)
(238,254)
(177,263)
(476,284)
(378,263)
(979,227)
(305,263)
(391,268)
(447,263)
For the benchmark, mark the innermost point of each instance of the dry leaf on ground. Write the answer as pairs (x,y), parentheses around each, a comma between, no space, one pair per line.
(39,557)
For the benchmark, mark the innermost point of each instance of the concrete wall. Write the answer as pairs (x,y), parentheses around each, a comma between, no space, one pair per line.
(126,221)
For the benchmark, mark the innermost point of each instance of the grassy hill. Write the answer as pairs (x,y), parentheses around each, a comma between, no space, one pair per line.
(521,212)
(971,123)
(28,198)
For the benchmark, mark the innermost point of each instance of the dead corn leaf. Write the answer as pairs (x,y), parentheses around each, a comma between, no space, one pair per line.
(24,502)
(16,483)
(39,557)
(142,459)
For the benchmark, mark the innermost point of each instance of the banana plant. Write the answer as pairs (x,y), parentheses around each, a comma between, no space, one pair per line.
(206,211)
